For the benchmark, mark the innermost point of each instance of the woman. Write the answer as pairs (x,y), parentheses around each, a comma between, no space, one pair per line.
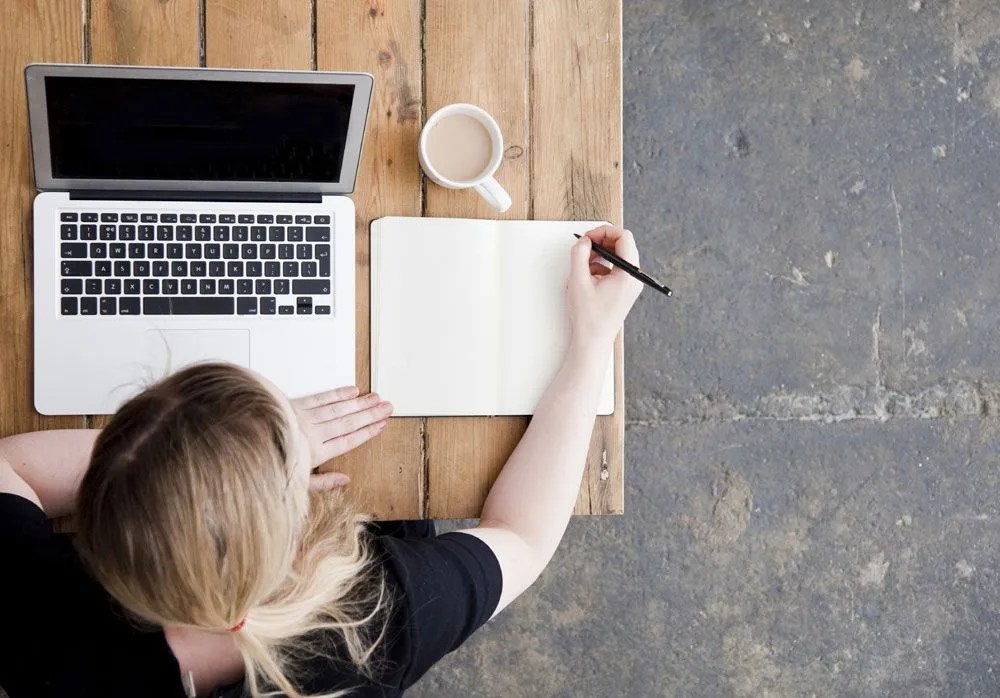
(204,566)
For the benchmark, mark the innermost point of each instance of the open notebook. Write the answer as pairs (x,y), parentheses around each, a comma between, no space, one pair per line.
(468,317)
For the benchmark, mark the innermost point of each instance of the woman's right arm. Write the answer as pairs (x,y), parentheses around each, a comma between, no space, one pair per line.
(529,505)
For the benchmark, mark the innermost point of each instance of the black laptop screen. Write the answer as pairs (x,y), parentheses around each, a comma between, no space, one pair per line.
(126,128)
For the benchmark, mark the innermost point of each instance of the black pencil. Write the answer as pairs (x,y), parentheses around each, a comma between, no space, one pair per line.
(629,268)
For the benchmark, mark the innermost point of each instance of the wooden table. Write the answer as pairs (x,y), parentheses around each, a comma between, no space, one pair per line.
(548,70)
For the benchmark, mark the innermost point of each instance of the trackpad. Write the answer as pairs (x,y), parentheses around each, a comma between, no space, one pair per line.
(170,350)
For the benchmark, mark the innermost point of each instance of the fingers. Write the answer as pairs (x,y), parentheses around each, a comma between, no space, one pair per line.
(356,420)
(309,402)
(333,410)
(617,240)
(342,444)
(324,482)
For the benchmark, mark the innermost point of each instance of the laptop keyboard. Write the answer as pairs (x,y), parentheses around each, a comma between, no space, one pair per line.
(177,263)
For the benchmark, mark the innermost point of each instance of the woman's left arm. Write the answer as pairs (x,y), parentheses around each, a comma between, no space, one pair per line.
(46,467)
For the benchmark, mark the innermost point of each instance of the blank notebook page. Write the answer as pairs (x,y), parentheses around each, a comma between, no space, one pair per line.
(468,317)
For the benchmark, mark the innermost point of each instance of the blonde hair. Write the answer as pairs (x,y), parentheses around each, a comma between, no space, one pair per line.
(191,513)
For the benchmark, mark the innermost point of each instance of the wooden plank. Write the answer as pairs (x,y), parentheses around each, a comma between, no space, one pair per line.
(30,33)
(476,52)
(258,34)
(381,38)
(576,97)
(125,32)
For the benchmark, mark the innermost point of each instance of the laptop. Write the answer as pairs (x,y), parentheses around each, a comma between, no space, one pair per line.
(187,215)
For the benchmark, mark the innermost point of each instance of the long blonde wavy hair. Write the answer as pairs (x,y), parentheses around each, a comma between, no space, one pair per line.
(191,513)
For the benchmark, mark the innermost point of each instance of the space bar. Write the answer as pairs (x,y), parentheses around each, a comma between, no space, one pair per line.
(193,305)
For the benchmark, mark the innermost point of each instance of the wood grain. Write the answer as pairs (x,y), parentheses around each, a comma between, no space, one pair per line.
(576,126)
(125,32)
(381,38)
(258,34)
(476,52)
(30,33)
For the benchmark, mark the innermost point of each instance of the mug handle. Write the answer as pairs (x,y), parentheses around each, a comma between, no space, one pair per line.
(495,195)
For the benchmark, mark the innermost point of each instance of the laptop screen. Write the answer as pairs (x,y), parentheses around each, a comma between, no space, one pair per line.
(111,128)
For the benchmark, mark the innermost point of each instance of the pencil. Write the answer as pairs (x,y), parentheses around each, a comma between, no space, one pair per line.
(629,268)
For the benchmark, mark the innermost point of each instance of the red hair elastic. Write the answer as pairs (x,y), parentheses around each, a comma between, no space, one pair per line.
(238,627)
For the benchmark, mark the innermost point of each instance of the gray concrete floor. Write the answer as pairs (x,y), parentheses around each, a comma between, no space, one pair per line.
(813,423)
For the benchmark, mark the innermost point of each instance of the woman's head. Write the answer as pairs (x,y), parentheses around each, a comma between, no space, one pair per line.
(195,511)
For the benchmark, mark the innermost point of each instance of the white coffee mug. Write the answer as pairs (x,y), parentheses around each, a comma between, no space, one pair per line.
(487,187)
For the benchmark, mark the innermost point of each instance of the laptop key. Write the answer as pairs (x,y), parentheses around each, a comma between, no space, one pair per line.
(258,233)
(281,287)
(93,286)
(165,233)
(241,233)
(322,220)
(109,217)
(255,269)
(136,250)
(151,287)
(246,218)
(184,233)
(286,310)
(88,217)
(309,269)
(175,250)
(303,220)
(68,231)
(262,287)
(213,251)
(220,233)
(226,286)
(244,287)
(265,218)
(123,268)
(148,218)
(154,250)
(140,267)
(206,287)
(88,306)
(178,269)
(72,287)
(272,269)
(132,287)
(284,219)
(202,233)
(276,233)
(189,218)
(126,232)
(322,310)
(146,232)
(192,250)
(248,251)
(189,287)
(73,250)
(102,267)
(199,268)
(216,268)
(168,217)
(128,306)
(310,287)
(112,287)
(109,232)
(324,267)
(68,216)
(161,268)
(230,251)
(227,218)
(130,218)
(246,306)
(77,268)
(268,305)
(317,234)
(234,268)
(268,251)
(290,269)
(286,251)
(88,232)
(206,218)
(295,233)
(170,287)
(109,306)
(98,250)
(303,251)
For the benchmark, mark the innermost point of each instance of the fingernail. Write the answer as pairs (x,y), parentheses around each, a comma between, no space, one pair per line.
(383,424)
(341,480)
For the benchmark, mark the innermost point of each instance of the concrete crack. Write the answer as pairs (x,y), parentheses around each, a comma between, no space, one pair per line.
(902,268)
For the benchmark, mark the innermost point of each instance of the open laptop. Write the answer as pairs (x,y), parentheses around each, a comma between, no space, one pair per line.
(188,215)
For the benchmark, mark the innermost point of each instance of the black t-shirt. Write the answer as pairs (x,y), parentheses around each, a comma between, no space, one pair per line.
(61,634)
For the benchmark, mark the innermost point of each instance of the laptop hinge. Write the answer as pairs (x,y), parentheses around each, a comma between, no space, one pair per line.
(253,197)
